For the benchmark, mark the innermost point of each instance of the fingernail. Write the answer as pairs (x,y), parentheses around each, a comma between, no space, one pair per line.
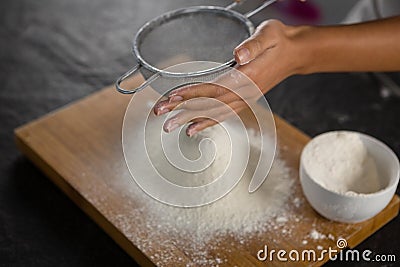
(175,98)
(243,55)
(170,126)
(162,110)
(191,131)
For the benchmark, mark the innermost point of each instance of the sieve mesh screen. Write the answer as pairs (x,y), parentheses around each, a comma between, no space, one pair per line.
(203,35)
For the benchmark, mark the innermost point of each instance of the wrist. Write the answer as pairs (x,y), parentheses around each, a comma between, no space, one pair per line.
(301,49)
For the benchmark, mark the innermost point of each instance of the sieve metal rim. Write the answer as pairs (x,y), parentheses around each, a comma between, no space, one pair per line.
(244,18)
(174,14)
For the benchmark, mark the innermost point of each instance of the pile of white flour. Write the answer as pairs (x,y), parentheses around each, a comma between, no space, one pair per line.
(339,161)
(238,215)
(239,212)
(198,232)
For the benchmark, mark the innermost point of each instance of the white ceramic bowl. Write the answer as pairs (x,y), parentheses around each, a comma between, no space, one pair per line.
(355,208)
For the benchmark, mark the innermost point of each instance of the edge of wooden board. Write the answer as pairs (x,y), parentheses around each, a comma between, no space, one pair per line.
(372,225)
(82,202)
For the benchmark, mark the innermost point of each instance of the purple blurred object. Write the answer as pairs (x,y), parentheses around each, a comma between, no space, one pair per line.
(302,11)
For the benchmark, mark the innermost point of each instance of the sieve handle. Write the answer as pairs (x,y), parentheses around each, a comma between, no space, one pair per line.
(258,9)
(234,4)
(128,74)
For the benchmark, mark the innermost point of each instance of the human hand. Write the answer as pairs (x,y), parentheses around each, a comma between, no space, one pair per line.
(270,55)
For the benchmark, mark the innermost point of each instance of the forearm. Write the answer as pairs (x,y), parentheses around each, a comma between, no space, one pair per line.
(370,46)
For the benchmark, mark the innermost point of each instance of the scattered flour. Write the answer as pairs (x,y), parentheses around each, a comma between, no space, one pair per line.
(339,161)
(314,234)
(238,212)
(238,216)
(297,202)
(281,219)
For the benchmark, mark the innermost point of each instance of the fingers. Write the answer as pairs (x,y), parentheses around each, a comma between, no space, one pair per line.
(237,83)
(203,112)
(201,124)
(178,96)
(262,39)
(204,118)
(191,115)
(161,108)
(194,91)
(185,117)
(203,103)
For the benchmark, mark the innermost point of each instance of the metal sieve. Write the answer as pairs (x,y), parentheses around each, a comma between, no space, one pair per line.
(200,33)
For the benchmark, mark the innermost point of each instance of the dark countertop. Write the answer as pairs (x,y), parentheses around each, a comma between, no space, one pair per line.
(55,52)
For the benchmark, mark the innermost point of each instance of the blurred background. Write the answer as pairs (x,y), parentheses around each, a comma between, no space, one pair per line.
(53,52)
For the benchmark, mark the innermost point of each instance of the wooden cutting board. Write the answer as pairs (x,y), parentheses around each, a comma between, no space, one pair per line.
(79,148)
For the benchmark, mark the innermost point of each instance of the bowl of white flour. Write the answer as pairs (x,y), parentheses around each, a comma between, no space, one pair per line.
(348,176)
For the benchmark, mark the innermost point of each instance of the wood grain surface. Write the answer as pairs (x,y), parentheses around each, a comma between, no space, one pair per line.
(79,148)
